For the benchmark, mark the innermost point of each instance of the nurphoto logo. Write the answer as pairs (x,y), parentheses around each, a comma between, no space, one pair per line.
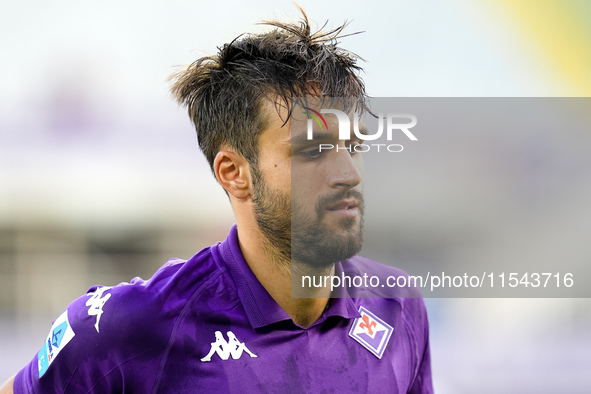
(394,123)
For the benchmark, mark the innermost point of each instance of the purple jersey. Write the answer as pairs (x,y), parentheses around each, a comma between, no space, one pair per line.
(207,325)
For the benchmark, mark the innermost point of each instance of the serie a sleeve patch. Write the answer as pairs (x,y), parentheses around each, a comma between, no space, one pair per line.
(60,334)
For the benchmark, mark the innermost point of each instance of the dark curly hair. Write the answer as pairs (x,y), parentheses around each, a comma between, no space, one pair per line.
(225,93)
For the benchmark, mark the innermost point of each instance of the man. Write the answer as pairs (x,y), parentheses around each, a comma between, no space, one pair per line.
(226,320)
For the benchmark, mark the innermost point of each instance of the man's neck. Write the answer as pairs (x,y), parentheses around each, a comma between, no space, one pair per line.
(277,278)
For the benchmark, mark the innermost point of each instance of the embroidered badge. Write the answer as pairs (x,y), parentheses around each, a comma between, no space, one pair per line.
(371,332)
(60,334)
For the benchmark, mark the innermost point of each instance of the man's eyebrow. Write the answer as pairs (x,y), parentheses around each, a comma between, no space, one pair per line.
(303,138)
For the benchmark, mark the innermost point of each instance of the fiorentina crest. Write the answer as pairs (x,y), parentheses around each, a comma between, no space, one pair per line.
(371,332)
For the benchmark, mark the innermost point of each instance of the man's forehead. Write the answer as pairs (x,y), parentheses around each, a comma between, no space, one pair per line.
(303,109)
(316,118)
(276,112)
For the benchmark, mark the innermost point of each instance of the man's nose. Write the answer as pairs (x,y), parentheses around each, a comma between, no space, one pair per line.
(345,170)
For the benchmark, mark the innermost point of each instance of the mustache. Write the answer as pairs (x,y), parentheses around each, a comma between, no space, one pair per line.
(325,202)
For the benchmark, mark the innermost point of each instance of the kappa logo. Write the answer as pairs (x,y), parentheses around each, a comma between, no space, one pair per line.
(233,347)
(371,332)
(96,304)
(60,334)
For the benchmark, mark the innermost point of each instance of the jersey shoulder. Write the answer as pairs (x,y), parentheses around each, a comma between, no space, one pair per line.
(142,313)
(116,331)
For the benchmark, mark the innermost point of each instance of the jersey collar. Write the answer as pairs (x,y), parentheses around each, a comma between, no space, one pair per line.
(260,307)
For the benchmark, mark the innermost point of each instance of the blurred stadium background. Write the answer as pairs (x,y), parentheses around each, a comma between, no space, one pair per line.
(101,179)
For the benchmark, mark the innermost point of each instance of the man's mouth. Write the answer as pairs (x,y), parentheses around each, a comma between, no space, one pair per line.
(344,205)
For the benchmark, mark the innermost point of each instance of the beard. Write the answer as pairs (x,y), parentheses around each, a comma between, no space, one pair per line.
(303,238)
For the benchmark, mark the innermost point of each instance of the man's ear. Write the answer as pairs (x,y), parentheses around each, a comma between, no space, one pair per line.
(233,172)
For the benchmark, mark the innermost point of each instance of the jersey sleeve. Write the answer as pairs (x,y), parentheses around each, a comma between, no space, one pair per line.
(106,334)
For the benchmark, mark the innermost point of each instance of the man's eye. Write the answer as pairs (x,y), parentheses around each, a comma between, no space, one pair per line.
(353,147)
(312,153)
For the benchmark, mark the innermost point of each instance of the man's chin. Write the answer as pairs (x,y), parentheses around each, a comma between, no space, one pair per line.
(341,225)
(324,252)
